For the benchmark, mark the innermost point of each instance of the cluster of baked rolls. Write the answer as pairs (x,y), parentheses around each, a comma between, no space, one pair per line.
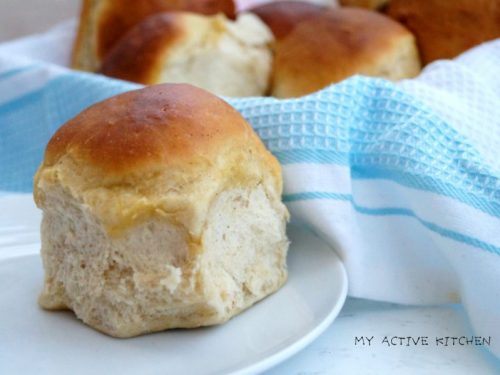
(282,48)
(443,28)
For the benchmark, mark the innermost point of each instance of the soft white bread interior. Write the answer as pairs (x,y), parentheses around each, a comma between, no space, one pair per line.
(104,22)
(226,57)
(161,209)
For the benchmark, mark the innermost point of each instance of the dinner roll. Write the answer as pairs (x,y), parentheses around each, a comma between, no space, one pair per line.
(212,52)
(282,16)
(161,209)
(104,22)
(370,4)
(445,28)
(339,43)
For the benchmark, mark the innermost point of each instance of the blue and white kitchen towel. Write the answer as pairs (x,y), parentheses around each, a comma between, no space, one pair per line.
(403,180)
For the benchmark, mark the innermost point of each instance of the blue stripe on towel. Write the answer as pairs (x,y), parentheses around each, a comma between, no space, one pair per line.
(489,205)
(13,72)
(393,211)
(21,102)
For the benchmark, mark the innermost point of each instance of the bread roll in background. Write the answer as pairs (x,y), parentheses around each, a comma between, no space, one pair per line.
(161,209)
(446,28)
(339,43)
(282,16)
(369,4)
(226,57)
(104,22)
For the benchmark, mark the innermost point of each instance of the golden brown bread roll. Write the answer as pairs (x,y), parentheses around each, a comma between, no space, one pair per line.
(104,22)
(161,209)
(369,4)
(282,16)
(339,43)
(446,28)
(226,57)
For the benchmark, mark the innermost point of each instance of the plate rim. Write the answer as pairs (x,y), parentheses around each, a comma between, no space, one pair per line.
(289,351)
(284,353)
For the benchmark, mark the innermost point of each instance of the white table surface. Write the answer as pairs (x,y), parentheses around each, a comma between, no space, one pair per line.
(334,352)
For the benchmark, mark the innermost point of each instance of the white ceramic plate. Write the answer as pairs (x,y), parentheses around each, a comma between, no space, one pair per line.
(34,341)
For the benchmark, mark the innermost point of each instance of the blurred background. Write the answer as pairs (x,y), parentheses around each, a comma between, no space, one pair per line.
(19,18)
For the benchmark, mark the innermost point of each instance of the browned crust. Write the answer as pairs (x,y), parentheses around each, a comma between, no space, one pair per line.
(158,126)
(282,16)
(83,30)
(121,15)
(332,46)
(112,19)
(445,28)
(136,57)
(370,4)
(164,151)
